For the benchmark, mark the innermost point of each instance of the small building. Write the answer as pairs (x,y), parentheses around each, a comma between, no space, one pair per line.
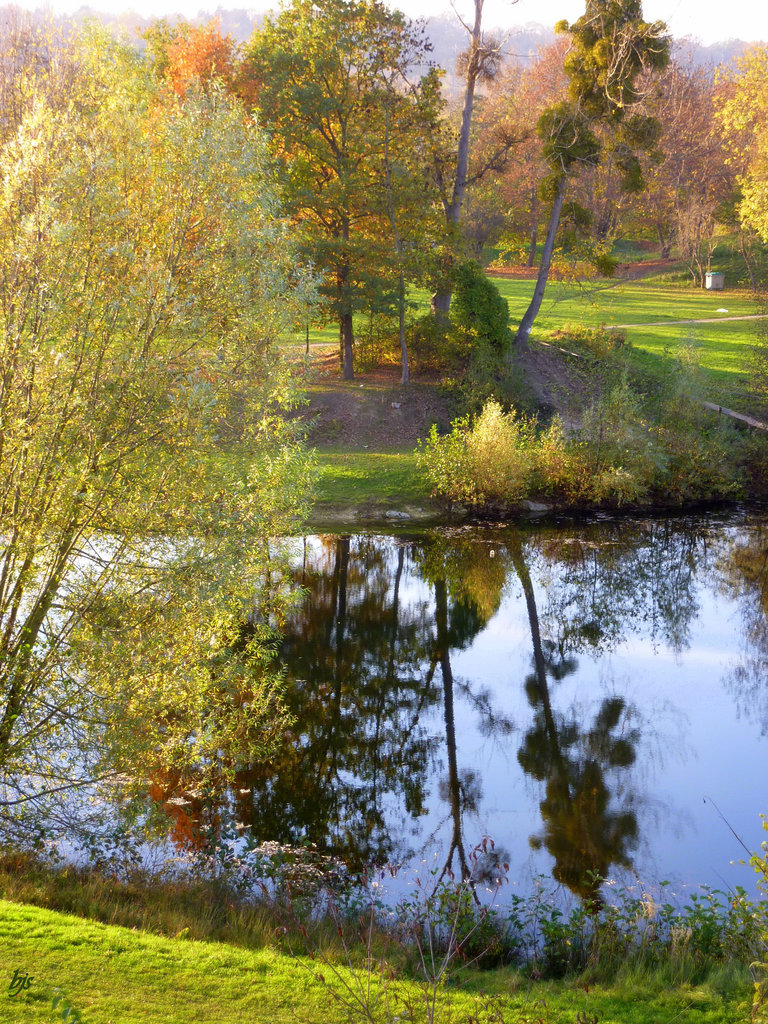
(715,282)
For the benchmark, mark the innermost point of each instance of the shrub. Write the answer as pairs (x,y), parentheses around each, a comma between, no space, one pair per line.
(478,309)
(490,460)
(619,457)
(759,967)
(602,342)
(434,345)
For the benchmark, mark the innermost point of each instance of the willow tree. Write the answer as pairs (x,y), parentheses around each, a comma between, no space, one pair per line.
(612,48)
(145,276)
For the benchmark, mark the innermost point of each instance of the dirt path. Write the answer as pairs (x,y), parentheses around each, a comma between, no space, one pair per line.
(706,320)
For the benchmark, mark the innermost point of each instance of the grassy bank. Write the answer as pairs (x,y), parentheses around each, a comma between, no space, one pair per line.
(112,974)
(368,478)
(684,465)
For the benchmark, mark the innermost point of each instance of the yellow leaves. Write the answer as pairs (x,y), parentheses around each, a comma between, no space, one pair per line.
(145,274)
(742,114)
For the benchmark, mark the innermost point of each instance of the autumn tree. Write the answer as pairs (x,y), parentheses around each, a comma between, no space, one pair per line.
(192,56)
(612,48)
(742,113)
(201,56)
(689,165)
(511,194)
(337,84)
(35,59)
(145,277)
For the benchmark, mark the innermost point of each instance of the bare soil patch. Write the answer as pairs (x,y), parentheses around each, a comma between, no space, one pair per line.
(558,382)
(634,271)
(374,410)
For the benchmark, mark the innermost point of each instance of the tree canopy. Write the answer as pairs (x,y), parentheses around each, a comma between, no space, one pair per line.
(145,276)
(612,46)
(338,85)
(743,113)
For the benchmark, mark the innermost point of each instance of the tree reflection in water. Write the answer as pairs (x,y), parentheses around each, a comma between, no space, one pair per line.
(379,711)
(467,593)
(360,674)
(582,832)
(744,577)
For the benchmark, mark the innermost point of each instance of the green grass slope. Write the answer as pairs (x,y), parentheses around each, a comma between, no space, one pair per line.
(114,975)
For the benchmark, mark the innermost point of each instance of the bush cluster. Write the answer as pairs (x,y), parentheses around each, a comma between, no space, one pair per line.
(623,454)
(478,324)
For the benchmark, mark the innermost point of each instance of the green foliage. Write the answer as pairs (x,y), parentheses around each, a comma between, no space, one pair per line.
(612,45)
(600,342)
(434,346)
(478,309)
(146,278)
(759,966)
(628,450)
(567,139)
(349,143)
(488,461)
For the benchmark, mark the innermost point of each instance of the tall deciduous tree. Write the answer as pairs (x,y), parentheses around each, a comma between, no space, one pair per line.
(691,164)
(200,56)
(145,276)
(324,74)
(612,46)
(516,100)
(481,61)
(193,57)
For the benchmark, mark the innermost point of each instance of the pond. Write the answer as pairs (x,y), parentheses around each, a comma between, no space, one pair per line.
(591,695)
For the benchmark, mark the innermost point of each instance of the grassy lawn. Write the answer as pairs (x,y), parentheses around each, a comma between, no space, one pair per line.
(377,478)
(722,347)
(115,975)
(620,302)
(652,301)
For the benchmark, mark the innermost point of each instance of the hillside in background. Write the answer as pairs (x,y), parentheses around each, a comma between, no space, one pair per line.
(447,36)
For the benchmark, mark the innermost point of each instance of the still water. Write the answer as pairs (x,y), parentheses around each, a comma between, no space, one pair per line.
(593,696)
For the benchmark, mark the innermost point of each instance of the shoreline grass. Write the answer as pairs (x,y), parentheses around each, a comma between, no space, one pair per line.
(110,974)
(368,478)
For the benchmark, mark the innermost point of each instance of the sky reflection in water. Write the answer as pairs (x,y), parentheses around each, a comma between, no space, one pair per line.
(592,696)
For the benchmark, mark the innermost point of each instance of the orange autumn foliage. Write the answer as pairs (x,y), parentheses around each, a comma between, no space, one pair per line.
(200,56)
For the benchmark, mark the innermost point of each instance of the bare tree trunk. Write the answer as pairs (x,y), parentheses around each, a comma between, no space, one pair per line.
(748,262)
(441,300)
(665,246)
(454,786)
(524,330)
(346,340)
(346,335)
(405,376)
(534,234)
